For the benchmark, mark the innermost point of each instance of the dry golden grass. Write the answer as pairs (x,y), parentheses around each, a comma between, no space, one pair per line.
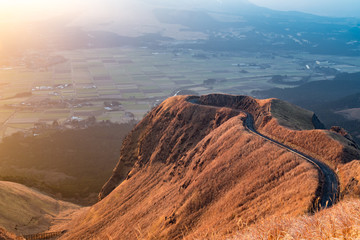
(316,143)
(325,145)
(349,175)
(339,222)
(197,173)
(291,116)
(197,170)
(282,121)
(5,235)
(26,211)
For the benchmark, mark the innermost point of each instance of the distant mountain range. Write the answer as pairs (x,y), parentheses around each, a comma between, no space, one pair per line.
(209,25)
(226,25)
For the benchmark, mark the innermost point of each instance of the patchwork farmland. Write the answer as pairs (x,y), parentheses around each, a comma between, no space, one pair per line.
(123,84)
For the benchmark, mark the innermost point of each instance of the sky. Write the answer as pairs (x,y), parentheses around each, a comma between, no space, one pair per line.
(40,9)
(336,8)
(36,9)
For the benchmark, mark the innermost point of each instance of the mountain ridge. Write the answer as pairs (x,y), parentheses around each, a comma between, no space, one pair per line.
(193,170)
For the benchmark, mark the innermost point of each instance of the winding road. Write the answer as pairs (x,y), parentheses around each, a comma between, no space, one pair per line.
(329,186)
(328,193)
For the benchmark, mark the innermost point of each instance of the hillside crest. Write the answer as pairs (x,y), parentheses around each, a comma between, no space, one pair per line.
(266,113)
(194,164)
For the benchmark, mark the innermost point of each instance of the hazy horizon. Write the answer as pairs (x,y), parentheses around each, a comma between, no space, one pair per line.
(23,10)
(332,8)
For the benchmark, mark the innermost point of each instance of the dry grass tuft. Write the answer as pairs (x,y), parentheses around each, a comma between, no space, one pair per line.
(340,222)
(349,175)
(5,235)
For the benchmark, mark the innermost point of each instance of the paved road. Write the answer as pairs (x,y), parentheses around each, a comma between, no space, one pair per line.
(330,185)
(329,191)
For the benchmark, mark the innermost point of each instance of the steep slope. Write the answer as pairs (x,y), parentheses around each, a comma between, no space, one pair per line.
(274,119)
(192,168)
(299,129)
(26,211)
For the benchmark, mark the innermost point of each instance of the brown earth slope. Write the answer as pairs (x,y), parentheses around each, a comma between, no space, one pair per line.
(26,211)
(190,170)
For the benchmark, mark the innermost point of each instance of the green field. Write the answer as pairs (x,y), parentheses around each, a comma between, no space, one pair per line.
(138,78)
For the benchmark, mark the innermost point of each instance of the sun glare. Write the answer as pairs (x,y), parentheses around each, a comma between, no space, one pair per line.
(24,10)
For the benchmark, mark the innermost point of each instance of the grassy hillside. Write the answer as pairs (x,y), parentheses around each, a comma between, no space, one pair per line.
(276,119)
(197,170)
(292,116)
(326,98)
(26,211)
(191,171)
(291,125)
(340,222)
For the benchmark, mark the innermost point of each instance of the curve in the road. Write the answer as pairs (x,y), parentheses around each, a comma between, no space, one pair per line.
(329,184)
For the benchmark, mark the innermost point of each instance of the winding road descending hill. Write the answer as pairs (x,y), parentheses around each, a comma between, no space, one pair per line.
(329,189)
(329,185)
